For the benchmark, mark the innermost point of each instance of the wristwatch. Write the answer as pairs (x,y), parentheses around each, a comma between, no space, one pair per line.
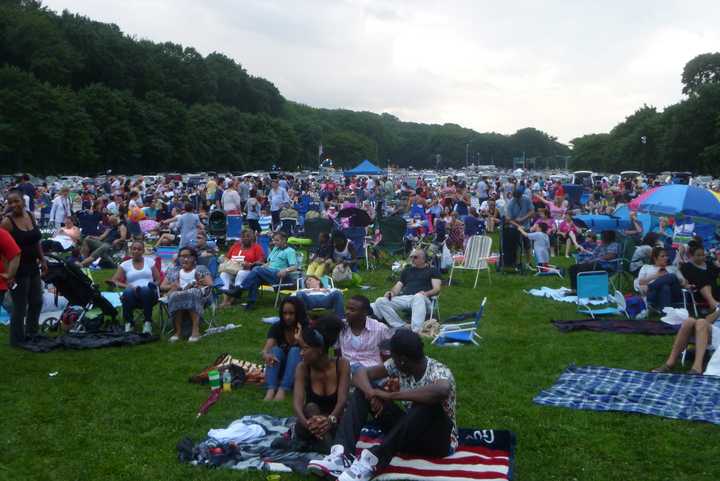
(332,419)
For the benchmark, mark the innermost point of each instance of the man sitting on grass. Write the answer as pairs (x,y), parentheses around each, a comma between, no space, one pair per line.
(425,427)
(418,283)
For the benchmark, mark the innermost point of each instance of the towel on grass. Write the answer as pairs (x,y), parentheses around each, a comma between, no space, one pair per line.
(482,454)
(675,396)
(620,326)
(560,295)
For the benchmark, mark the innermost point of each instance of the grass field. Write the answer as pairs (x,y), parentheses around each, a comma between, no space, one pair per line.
(117,413)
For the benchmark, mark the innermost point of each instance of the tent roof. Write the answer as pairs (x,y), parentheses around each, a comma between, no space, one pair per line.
(365,168)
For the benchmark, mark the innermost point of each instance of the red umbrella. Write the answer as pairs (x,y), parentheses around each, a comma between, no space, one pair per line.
(635,204)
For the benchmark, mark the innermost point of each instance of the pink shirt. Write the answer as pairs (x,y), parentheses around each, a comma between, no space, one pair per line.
(363,349)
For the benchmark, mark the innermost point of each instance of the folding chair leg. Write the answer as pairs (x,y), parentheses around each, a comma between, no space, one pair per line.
(477,275)
(452,269)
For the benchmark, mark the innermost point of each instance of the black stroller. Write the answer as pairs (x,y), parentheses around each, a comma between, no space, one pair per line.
(217,226)
(83,297)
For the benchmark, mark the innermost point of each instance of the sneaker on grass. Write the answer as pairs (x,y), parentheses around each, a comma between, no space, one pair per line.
(362,469)
(331,465)
(147,328)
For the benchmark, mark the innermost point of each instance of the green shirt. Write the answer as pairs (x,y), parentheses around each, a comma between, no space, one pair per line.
(282,258)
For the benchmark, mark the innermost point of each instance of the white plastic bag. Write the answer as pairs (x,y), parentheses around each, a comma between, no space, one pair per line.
(674,316)
(446,261)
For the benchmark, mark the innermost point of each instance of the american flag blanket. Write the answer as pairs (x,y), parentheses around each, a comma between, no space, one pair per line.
(675,396)
(484,454)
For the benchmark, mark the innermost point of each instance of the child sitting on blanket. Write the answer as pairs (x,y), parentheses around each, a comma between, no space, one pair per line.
(541,242)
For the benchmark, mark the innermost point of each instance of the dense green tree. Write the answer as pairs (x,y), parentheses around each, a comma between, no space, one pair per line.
(701,70)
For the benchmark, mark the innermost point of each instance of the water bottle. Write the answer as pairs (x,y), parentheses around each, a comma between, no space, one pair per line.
(227,381)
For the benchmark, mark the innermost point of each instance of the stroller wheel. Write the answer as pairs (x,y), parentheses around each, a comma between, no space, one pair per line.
(51,324)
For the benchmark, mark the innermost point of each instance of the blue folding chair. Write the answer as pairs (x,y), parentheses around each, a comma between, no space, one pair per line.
(233,227)
(594,286)
(464,332)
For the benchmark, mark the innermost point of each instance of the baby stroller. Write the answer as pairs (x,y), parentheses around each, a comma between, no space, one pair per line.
(217,225)
(84,299)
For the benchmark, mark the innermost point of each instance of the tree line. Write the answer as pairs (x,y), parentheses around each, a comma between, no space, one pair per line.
(683,137)
(80,96)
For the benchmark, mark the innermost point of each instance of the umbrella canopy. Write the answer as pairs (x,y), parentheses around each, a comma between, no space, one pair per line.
(635,204)
(358,217)
(683,200)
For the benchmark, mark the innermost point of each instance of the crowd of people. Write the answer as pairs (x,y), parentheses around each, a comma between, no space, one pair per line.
(113,224)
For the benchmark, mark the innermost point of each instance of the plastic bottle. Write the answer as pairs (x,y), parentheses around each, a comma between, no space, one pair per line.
(227,381)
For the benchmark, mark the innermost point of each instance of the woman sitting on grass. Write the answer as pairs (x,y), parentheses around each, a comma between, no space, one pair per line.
(321,385)
(702,330)
(282,351)
(188,290)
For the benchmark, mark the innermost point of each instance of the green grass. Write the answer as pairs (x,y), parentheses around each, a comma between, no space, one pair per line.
(118,413)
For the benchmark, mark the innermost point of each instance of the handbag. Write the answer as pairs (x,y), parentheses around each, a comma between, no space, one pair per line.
(341,273)
(230,267)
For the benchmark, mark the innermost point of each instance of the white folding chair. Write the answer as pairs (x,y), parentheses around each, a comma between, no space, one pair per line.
(476,257)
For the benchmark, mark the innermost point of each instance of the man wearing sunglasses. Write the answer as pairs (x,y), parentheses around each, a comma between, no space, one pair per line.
(418,283)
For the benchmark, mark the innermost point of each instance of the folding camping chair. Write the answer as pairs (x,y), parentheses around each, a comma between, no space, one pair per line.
(234,227)
(356,235)
(393,234)
(476,257)
(167,255)
(286,285)
(594,285)
(464,332)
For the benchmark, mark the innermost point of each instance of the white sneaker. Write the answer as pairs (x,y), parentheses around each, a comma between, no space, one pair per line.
(362,469)
(128,327)
(147,328)
(331,465)
(174,338)
(193,338)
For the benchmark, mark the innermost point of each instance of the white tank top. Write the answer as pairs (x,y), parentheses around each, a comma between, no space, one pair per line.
(135,277)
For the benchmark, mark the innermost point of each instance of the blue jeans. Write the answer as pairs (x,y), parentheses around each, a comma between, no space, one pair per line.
(333,300)
(664,292)
(255,278)
(143,297)
(282,372)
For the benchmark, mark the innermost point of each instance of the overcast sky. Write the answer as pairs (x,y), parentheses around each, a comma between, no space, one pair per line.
(567,67)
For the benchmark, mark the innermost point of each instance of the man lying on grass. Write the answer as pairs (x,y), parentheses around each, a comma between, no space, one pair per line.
(426,427)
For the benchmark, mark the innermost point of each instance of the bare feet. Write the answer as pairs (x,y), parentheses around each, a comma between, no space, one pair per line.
(280,395)
(269,395)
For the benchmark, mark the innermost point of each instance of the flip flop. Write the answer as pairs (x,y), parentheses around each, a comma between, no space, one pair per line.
(662,369)
(693,372)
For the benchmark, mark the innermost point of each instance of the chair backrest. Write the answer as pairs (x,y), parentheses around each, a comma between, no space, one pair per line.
(234,226)
(393,229)
(592,284)
(477,251)
(356,235)
(314,227)
(167,255)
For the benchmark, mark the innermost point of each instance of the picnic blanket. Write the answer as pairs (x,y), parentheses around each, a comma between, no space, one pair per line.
(91,340)
(620,326)
(482,454)
(560,295)
(485,454)
(675,396)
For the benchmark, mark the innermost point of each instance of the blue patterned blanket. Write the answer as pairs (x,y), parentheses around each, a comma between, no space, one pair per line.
(675,396)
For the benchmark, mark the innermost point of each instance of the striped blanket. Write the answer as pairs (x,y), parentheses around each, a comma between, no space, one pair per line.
(481,454)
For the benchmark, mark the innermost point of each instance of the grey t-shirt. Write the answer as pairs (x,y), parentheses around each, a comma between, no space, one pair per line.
(541,245)
(187,225)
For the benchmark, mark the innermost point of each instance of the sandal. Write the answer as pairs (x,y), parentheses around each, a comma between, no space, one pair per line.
(694,372)
(662,369)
